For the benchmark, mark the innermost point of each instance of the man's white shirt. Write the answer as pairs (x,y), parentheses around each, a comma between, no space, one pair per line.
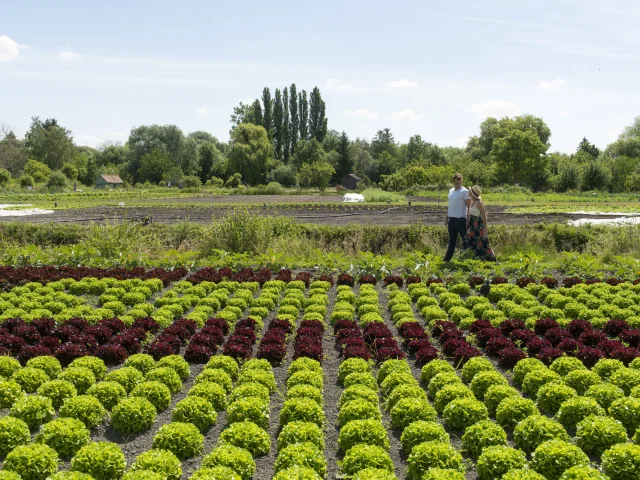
(457,205)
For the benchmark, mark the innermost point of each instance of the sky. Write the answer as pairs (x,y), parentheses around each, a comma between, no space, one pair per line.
(436,68)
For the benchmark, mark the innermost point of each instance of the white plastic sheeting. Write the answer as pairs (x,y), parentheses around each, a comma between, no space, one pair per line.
(353,197)
(23,212)
(609,218)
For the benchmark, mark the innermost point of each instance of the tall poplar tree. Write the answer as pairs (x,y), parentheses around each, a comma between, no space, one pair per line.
(278,117)
(285,126)
(317,119)
(303,108)
(294,128)
(267,116)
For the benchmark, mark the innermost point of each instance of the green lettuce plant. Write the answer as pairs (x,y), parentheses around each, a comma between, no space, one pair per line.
(85,408)
(299,432)
(159,461)
(236,458)
(432,455)
(481,435)
(364,456)
(58,391)
(552,458)
(32,462)
(108,393)
(495,461)
(13,432)
(370,432)
(65,435)
(33,410)
(247,435)
(133,415)
(305,455)
(156,392)
(184,440)
(101,460)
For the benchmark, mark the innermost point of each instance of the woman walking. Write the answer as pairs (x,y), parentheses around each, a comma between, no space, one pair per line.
(477,236)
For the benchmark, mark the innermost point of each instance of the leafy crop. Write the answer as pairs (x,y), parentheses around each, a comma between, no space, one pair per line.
(537,429)
(463,412)
(184,440)
(409,410)
(304,455)
(247,435)
(58,391)
(432,455)
(622,462)
(65,435)
(370,432)
(495,461)
(160,461)
(108,393)
(213,393)
(575,409)
(133,415)
(298,432)
(30,379)
(238,459)
(364,456)
(85,408)
(33,410)
(101,460)
(156,392)
(552,458)
(32,462)
(13,432)
(481,435)
(301,410)
(596,434)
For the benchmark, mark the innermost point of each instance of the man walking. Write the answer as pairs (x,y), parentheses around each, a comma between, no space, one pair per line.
(456,222)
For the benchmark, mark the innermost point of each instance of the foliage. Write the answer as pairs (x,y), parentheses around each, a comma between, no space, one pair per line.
(133,415)
(13,432)
(463,412)
(157,393)
(85,408)
(108,393)
(215,473)
(30,379)
(495,461)
(370,432)
(101,460)
(409,410)
(32,462)
(247,435)
(305,455)
(481,435)
(160,461)
(596,434)
(167,376)
(622,461)
(34,410)
(301,410)
(535,430)
(432,455)
(184,440)
(552,458)
(65,435)
(213,393)
(364,456)
(238,459)
(58,391)
(298,432)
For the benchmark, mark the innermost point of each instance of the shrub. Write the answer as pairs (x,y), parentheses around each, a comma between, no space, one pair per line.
(58,391)
(626,411)
(30,379)
(485,379)
(495,394)
(217,376)
(133,415)
(32,462)
(85,408)
(108,393)
(215,473)
(364,456)
(370,432)
(537,429)
(481,435)
(140,361)
(157,393)
(50,365)
(409,410)
(211,392)
(463,412)
(225,363)
(576,409)
(238,459)
(420,432)
(101,460)
(247,435)
(33,410)
(552,395)
(305,455)
(160,461)
(581,380)
(622,462)
(95,364)
(65,435)
(498,460)
(258,376)
(432,455)
(10,392)
(249,409)
(552,458)
(595,434)
(605,394)
(184,440)
(513,410)
(301,410)
(13,432)
(166,375)
(177,363)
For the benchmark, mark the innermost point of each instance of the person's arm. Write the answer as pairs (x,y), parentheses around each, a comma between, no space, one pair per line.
(483,213)
(468,203)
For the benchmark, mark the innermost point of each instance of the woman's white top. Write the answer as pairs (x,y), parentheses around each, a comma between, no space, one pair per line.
(475,211)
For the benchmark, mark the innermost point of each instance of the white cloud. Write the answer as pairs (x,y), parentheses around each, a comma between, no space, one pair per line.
(69,55)
(9,49)
(407,115)
(557,84)
(564,114)
(402,83)
(203,110)
(494,108)
(361,113)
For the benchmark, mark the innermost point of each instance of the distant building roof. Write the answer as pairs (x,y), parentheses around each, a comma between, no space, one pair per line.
(354,176)
(111,178)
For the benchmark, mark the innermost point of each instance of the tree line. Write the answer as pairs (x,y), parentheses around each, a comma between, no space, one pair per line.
(285,138)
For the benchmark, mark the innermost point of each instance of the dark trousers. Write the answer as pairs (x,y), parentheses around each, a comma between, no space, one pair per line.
(456,226)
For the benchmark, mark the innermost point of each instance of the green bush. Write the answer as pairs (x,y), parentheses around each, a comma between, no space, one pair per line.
(213,393)
(605,394)
(475,365)
(13,432)
(463,412)
(235,458)
(583,473)
(481,435)
(433,368)
(626,411)
(184,440)
(258,376)
(140,361)
(217,376)
(495,394)
(552,458)
(352,365)
(536,379)
(30,379)
(305,455)
(10,392)
(432,455)
(58,391)
(582,380)
(483,380)
(552,395)
(95,364)
(576,409)
(133,415)
(497,460)
(563,365)
(177,363)
(101,460)
(32,462)
(523,367)
(157,393)
(50,365)
(215,473)
(595,434)
(128,377)
(108,393)
(159,461)
(364,456)
(535,430)
(33,410)
(65,435)
(166,375)
(409,410)
(301,410)
(622,462)
(247,435)
(85,408)
(370,432)
(364,379)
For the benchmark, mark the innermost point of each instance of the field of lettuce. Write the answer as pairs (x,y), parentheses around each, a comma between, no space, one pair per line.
(219,374)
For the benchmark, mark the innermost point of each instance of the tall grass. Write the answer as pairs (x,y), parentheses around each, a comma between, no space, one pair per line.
(380,196)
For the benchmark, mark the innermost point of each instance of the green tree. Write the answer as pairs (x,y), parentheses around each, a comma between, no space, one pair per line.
(37,170)
(590,149)
(628,142)
(285,125)
(5,177)
(278,117)
(13,155)
(568,178)
(70,171)
(267,105)
(57,181)
(26,181)
(285,175)
(211,162)
(317,118)
(520,157)
(382,142)
(155,166)
(308,151)
(256,114)
(596,176)
(200,136)
(363,162)
(317,175)
(242,113)
(49,143)
(345,163)
(294,130)
(147,138)
(188,157)
(303,107)
(250,154)
(110,153)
